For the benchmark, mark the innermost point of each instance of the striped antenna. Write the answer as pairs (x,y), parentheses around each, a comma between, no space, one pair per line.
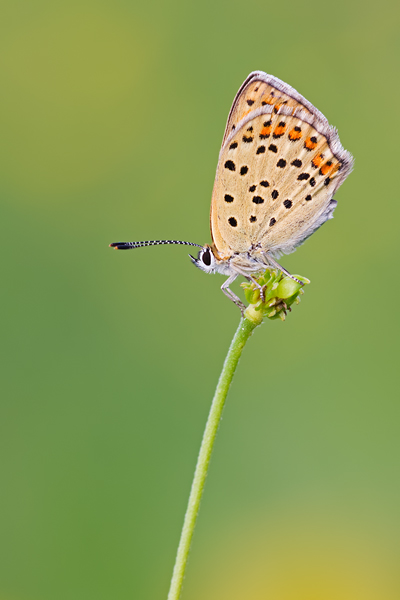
(132,245)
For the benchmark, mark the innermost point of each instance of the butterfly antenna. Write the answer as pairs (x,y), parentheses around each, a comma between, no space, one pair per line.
(133,245)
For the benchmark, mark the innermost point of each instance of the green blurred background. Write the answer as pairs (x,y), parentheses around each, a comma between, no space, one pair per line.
(112,114)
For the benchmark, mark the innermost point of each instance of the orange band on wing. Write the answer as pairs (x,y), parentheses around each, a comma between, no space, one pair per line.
(268,100)
(328,166)
(317,160)
(279,130)
(266,131)
(295,134)
(310,143)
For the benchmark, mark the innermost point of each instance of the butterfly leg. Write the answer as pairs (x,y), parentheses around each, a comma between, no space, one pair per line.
(228,292)
(275,264)
(262,288)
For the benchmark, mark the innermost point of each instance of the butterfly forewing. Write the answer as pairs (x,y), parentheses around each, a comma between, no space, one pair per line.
(275,178)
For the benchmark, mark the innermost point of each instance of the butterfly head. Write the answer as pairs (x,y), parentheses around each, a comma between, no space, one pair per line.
(205,260)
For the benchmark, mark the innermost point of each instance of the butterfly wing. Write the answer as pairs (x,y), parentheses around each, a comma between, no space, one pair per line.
(276,175)
(261,89)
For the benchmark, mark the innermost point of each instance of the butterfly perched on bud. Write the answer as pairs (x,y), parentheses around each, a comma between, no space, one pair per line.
(279,166)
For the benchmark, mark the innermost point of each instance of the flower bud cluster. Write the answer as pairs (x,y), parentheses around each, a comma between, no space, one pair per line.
(273,295)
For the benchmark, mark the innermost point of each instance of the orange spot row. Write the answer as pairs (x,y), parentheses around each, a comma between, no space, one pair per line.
(317,161)
(310,144)
(268,100)
(335,169)
(265,131)
(328,166)
(295,135)
(279,130)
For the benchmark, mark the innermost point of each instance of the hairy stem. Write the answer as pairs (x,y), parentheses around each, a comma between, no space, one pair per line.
(245,329)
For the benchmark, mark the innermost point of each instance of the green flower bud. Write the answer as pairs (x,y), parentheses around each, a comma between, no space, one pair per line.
(279,292)
(287,287)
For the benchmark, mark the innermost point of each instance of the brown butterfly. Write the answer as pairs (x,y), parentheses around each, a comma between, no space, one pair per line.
(279,166)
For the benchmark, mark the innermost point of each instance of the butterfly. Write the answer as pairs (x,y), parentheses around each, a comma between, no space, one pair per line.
(279,166)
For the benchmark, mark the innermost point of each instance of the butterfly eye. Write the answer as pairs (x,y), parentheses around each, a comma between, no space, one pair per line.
(206,257)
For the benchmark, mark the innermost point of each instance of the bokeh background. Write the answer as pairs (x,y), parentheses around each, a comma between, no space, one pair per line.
(112,114)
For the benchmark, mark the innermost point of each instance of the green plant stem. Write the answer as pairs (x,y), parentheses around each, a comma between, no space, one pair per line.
(244,331)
